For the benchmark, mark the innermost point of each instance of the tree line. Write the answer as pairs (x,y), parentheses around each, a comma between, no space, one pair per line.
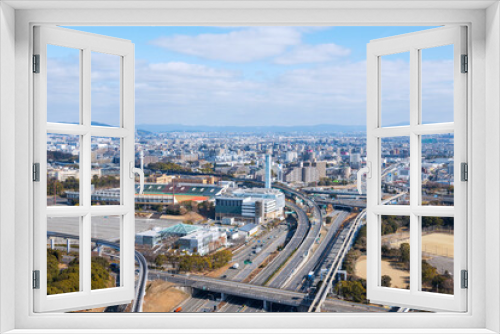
(196,263)
(68,279)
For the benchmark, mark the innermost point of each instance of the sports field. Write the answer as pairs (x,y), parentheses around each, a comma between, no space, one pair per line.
(400,278)
(434,243)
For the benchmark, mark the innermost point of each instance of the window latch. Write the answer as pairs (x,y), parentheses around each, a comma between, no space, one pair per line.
(365,170)
(133,170)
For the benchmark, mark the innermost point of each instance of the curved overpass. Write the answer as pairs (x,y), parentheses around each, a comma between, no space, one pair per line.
(292,245)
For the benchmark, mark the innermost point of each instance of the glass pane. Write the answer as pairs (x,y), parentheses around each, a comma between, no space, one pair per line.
(63,84)
(63,252)
(437,254)
(395,89)
(438,169)
(106,232)
(105,171)
(105,90)
(437,84)
(395,170)
(395,259)
(63,169)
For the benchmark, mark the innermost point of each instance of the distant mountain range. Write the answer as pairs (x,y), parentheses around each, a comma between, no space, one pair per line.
(250,129)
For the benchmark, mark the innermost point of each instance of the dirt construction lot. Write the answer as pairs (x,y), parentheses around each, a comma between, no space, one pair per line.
(162,296)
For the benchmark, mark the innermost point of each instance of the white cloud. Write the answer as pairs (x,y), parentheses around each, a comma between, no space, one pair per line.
(242,45)
(194,94)
(312,54)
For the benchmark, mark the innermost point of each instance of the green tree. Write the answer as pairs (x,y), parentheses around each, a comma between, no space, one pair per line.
(404,248)
(386,281)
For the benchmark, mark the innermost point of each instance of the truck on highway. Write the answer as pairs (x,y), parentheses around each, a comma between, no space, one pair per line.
(310,276)
(236,266)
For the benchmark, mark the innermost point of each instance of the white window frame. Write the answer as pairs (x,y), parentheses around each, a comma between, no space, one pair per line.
(484,49)
(413,43)
(86,44)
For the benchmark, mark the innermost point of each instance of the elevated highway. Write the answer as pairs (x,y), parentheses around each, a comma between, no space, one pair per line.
(297,283)
(291,246)
(255,292)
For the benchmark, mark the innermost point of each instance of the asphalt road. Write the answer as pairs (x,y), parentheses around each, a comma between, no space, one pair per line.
(293,244)
(293,265)
(104,227)
(270,246)
(314,262)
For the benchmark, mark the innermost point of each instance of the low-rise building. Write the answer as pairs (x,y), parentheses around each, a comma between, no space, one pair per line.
(203,241)
(148,238)
(249,230)
(179,230)
(255,205)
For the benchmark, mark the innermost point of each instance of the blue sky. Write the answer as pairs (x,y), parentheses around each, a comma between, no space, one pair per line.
(250,76)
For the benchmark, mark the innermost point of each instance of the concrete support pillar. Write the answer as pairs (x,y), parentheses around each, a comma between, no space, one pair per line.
(52,246)
(223,296)
(267,306)
(68,246)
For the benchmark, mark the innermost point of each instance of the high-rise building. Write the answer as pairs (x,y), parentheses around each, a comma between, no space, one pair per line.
(268,171)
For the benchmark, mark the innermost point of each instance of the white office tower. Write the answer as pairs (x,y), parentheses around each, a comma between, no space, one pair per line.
(268,171)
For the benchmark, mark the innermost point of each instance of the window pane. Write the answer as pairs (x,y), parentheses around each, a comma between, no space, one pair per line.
(63,84)
(395,89)
(395,169)
(437,254)
(105,171)
(63,169)
(395,260)
(63,252)
(438,169)
(105,90)
(437,84)
(106,232)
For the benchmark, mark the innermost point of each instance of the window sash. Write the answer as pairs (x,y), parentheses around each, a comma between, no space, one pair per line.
(86,297)
(412,43)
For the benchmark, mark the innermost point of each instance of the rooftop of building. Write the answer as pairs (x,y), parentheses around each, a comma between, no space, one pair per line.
(180,229)
(195,189)
(248,227)
(149,233)
(201,233)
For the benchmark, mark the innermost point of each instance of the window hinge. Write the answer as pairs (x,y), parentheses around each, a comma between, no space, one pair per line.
(36,63)
(464,167)
(465,64)
(36,279)
(36,172)
(465,279)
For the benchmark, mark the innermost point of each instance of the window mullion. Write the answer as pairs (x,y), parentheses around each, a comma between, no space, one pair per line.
(414,168)
(85,180)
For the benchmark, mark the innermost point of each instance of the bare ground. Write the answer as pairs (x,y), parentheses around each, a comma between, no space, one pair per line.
(162,296)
